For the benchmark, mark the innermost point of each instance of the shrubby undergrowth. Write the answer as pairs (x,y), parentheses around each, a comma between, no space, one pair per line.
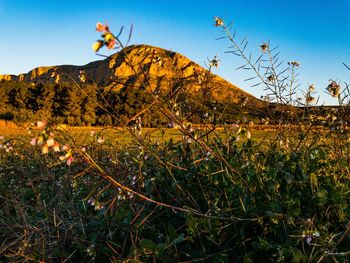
(212,196)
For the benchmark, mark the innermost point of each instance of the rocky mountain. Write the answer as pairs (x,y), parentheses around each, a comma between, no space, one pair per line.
(146,67)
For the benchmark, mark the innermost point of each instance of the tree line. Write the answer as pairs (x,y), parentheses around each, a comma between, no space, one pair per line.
(89,104)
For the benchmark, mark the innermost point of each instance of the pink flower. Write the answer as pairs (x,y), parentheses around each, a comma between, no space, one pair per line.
(111,44)
(65,148)
(101,28)
(33,141)
(70,160)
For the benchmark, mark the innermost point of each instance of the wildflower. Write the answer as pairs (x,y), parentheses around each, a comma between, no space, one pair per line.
(50,142)
(33,141)
(65,148)
(100,140)
(249,135)
(264,47)
(97,45)
(309,98)
(108,37)
(333,88)
(218,21)
(56,147)
(68,157)
(40,140)
(91,201)
(82,77)
(45,149)
(98,207)
(271,78)
(8,147)
(41,124)
(294,63)
(111,44)
(102,28)
(311,87)
(109,41)
(308,239)
(70,160)
(57,80)
(214,62)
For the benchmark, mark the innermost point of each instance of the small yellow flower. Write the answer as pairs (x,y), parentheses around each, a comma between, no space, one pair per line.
(97,46)
(218,21)
(57,78)
(108,37)
(45,149)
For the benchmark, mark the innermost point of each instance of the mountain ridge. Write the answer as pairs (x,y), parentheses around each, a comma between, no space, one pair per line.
(164,69)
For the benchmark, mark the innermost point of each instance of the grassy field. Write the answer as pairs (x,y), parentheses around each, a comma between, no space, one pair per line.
(123,136)
(110,195)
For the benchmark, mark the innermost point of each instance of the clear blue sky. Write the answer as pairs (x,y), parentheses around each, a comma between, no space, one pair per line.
(315,33)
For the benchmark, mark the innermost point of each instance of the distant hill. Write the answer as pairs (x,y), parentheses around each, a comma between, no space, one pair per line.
(132,65)
(127,80)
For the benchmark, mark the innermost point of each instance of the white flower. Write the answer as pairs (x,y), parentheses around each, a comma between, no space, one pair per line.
(50,142)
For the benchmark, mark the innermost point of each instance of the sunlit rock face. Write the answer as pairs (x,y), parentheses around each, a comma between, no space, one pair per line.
(145,67)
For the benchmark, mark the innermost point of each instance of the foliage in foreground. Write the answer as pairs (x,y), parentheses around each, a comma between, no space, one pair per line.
(274,204)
